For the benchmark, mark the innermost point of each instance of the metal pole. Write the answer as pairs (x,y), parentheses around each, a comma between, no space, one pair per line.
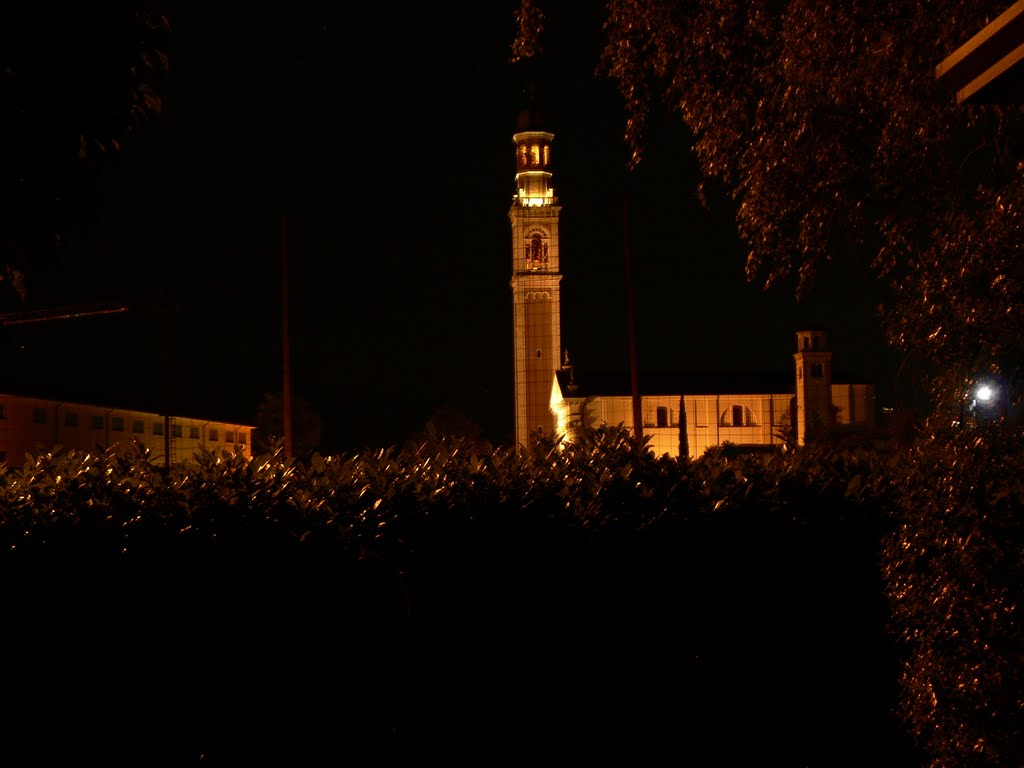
(634,373)
(286,365)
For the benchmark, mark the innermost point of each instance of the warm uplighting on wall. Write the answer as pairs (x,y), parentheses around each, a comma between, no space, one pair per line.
(562,410)
(535,200)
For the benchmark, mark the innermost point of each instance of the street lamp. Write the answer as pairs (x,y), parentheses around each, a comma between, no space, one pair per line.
(986,400)
(985,392)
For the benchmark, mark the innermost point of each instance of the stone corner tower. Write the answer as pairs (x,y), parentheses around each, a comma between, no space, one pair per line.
(535,280)
(814,411)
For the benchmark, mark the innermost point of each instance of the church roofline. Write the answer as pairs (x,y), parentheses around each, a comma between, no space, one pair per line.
(656,384)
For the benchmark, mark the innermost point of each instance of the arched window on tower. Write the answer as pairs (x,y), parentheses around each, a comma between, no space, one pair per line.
(817,370)
(537,252)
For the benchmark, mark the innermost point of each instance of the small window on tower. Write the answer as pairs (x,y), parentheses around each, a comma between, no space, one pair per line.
(536,256)
(538,354)
(817,370)
(547,154)
(534,154)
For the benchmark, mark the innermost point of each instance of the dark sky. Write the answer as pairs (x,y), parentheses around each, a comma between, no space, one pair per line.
(384,135)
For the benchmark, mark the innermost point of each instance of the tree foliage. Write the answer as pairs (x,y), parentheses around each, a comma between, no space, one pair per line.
(954,571)
(684,440)
(73,86)
(826,127)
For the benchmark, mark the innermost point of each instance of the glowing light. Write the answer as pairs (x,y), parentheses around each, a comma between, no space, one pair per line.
(533,201)
(985,392)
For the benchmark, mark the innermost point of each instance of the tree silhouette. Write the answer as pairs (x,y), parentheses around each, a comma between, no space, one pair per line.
(74,85)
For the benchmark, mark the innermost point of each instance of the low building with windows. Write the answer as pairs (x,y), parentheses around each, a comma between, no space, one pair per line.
(749,412)
(29,425)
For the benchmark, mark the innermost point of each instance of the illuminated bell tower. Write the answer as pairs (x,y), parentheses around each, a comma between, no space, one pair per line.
(814,411)
(535,281)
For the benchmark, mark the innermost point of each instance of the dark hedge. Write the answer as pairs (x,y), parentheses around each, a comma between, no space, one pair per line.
(594,604)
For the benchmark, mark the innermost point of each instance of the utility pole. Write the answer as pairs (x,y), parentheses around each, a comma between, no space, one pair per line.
(286,363)
(634,373)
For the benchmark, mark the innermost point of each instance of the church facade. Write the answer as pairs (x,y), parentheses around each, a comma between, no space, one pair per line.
(683,415)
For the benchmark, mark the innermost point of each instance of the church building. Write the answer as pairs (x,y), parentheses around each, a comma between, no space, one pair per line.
(550,400)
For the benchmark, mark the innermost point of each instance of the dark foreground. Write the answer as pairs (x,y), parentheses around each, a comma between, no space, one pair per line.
(705,647)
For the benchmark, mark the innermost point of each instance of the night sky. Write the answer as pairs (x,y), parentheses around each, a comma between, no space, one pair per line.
(384,136)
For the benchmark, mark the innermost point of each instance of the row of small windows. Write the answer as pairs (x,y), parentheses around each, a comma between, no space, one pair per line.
(817,371)
(813,343)
(534,155)
(39,416)
(735,416)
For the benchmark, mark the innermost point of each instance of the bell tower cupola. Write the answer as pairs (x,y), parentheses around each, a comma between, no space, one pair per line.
(533,168)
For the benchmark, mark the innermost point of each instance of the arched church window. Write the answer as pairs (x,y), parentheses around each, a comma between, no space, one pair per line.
(547,155)
(523,155)
(817,370)
(737,416)
(537,252)
(535,154)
